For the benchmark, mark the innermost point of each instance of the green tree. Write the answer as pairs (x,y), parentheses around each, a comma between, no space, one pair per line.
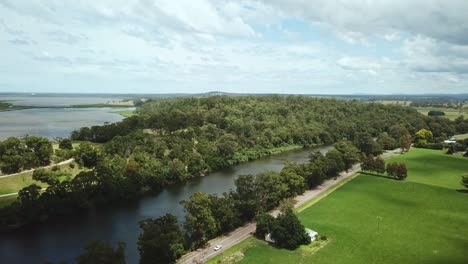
(224,212)
(349,153)
(387,142)
(464,181)
(41,150)
(265,224)
(366,144)
(334,163)
(200,223)
(288,232)
(86,155)
(397,170)
(44,176)
(246,197)
(269,189)
(162,240)
(422,137)
(65,143)
(100,252)
(295,183)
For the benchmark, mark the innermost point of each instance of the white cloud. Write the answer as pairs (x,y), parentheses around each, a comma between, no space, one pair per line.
(202,45)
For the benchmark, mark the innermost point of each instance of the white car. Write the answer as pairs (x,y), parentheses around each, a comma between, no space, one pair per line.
(218,247)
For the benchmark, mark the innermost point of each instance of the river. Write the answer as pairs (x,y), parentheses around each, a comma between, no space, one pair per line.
(64,238)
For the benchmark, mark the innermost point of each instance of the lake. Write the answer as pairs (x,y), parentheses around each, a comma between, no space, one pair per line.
(64,239)
(55,100)
(53,122)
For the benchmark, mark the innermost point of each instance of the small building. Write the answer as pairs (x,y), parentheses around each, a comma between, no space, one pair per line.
(269,239)
(450,141)
(312,234)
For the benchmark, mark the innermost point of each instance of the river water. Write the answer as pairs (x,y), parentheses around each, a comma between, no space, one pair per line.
(64,239)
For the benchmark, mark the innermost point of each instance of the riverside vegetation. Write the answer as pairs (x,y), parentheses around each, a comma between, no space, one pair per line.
(171,141)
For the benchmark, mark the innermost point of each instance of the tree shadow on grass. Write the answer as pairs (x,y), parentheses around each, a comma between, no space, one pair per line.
(377,175)
(462,190)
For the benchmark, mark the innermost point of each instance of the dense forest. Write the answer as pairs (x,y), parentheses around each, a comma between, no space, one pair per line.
(171,141)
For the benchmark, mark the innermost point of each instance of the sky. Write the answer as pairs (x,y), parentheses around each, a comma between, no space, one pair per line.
(274,46)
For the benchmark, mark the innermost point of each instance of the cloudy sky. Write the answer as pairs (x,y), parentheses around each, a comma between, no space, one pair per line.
(274,46)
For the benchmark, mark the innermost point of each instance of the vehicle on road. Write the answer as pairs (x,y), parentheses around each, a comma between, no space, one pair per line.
(218,247)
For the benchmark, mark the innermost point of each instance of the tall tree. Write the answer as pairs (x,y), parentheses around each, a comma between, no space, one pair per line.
(200,223)
(288,232)
(162,240)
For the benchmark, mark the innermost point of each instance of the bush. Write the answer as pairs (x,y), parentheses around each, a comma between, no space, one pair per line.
(464,181)
(397,170)
(435,113)
(438,146)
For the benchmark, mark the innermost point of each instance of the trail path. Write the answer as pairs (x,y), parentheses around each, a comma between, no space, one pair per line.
(68,161)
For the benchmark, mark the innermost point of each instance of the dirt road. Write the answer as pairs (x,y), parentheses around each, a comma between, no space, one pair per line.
(46,167)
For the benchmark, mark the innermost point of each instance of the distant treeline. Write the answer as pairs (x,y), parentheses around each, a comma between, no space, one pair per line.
(438,103)
(171,141)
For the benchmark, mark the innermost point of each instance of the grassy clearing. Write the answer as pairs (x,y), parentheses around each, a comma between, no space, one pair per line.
(129,103)
(126,113)
(77,143)
(450,113)
(434,167)
(15,183)
(378,220)
(5,201)
(461,137)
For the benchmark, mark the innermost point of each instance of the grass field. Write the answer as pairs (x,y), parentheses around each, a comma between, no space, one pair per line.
(126,113)
(461,136)
(450,113)
(15,183)
(422,220)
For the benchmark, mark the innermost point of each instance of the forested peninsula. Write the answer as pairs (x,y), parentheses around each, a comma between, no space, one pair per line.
(173,140)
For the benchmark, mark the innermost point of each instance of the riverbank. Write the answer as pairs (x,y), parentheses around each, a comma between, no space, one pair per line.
(308,198)
(119,222)
(395,215)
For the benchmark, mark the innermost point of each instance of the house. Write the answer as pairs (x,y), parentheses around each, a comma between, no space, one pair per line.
(450,141)
(312,234)
(269,239)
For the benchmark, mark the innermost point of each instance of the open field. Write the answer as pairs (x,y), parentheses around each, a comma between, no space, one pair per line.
(76,143)
(450,113)
(126,113)
(379,220)
(461,136)
(434,167)
(16,183)
(129,103)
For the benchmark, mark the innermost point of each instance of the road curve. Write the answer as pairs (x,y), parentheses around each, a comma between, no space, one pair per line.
(241,233)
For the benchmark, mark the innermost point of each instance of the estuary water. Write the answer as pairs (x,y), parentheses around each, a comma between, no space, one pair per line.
(58,120)
(53,122)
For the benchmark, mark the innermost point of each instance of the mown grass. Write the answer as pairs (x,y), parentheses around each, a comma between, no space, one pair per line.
(15,183)
(126,113)
(450,113)
(461,136)
(434,167)
(379,220)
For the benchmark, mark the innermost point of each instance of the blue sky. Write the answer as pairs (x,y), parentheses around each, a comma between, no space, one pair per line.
(275,46)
